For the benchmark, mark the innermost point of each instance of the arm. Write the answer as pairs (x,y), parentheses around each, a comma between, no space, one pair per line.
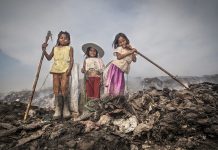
(103,66)
(121,56)
(71,62)
(48,56)
(83,70)
(133,54)
(134,57)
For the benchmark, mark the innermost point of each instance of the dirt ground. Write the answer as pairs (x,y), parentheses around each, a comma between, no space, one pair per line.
(146,120)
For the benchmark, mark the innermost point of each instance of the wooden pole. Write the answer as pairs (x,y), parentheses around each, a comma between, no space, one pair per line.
(173,77)
(36,79)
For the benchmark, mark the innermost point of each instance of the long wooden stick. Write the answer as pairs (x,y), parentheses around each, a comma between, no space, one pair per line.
(173,77)
(36,78)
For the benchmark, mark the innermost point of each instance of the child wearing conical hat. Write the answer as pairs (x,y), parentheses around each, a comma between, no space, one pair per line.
(93,68)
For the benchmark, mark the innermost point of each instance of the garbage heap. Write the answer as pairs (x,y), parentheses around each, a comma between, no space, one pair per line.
(42,98)
(150,119)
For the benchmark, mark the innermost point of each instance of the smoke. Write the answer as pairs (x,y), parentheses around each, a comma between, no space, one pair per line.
(134,84)
(167,82)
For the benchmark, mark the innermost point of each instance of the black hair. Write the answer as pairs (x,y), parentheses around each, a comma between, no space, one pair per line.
(59,35)
(87,52)
(115,42)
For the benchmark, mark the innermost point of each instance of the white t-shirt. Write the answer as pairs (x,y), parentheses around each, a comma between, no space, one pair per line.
(95,64)
(123,64)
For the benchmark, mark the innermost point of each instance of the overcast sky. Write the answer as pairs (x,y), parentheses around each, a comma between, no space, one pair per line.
(179,35)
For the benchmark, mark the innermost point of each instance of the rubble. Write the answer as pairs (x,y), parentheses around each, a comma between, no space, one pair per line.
(149,119)
(126,125)
(166,81)
(42,98)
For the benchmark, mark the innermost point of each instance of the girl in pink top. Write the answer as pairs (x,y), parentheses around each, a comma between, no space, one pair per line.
(125,54)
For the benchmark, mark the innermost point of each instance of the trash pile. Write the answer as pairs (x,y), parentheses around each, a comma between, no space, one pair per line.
(166,81)
(21,96)
(42,98)
(149,119)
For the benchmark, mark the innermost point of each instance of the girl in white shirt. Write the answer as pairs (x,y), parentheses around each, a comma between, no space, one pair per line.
(93,67)
(125,54)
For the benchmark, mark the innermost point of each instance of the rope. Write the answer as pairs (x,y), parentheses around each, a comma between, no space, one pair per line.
(43,82)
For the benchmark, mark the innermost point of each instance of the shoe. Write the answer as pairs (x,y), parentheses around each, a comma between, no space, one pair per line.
(58,103)
(66,109)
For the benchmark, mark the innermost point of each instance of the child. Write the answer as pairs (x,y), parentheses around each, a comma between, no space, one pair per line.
(93,67)
(61,70)
(115,82)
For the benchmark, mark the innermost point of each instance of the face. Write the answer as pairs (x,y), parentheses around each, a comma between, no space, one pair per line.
(92,52)
(63,40)
(122,42)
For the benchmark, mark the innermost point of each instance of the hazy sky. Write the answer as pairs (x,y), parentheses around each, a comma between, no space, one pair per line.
(179,35)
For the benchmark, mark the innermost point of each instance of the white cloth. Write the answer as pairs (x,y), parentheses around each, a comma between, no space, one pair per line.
(74,89)
(123,64)
(94,63)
